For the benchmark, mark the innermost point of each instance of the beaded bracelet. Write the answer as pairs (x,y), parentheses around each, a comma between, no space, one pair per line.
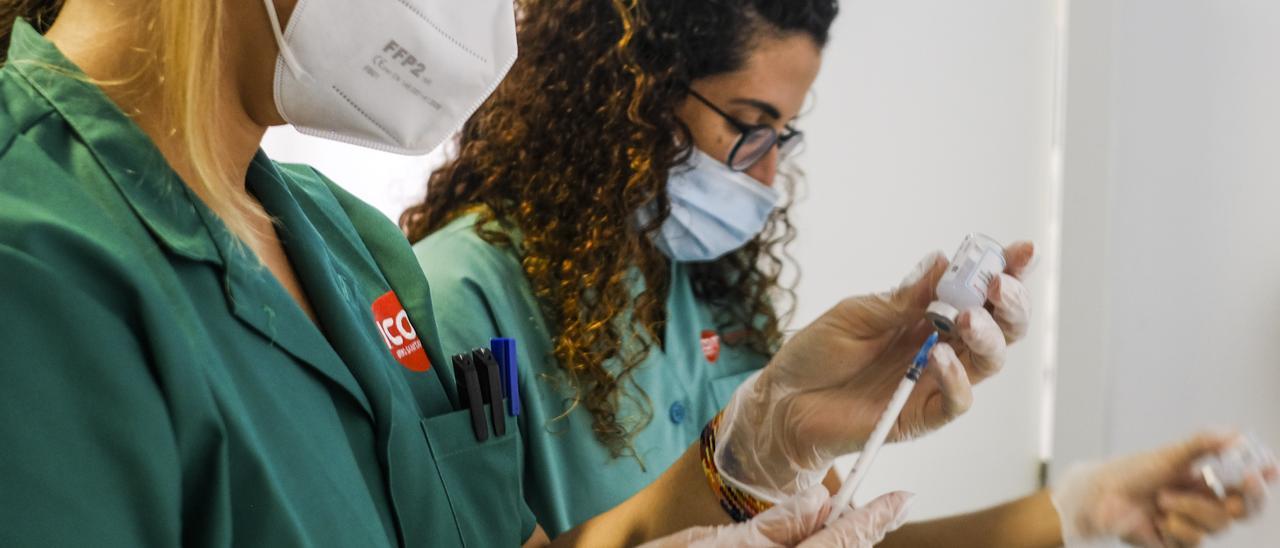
(739,505)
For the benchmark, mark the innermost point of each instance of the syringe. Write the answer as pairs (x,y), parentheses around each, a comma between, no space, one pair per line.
(881,432)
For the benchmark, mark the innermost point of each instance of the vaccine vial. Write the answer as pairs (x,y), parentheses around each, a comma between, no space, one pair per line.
(964,285)
(1228,469)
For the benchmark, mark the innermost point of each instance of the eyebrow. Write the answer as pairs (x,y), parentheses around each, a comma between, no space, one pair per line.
(763,106)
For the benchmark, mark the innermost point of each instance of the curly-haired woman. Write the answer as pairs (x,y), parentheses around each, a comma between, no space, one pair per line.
(538,229)
(618,208)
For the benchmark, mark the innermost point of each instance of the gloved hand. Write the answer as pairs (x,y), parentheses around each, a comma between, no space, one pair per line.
(1153,499)
(823,392)
(798,522)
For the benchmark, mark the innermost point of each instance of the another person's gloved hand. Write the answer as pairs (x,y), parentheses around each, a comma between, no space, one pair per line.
(821,395)
(798,522)
(1153,499)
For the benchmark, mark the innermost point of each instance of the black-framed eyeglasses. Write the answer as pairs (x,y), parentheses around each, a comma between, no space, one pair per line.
(756,140)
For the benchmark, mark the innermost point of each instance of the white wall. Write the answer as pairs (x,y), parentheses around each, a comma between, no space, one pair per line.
(390,182)
(1171,276)
(933,119)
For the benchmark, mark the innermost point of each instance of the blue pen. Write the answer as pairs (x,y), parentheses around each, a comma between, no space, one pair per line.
(504,350)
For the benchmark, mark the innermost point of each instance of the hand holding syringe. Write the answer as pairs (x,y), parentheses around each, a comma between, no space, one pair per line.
(965,284)
(977,263)
(822,392)
(881,432)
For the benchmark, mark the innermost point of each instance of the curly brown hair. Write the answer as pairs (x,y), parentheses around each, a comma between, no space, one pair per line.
(579,136)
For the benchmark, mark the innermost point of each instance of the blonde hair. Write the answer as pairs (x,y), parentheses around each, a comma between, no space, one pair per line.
(190,40)
(185,41)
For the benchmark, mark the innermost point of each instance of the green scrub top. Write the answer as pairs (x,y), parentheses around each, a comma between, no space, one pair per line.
(158,387)
(569,476)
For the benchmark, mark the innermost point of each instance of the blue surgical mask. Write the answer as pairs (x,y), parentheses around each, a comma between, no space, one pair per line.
(714,210)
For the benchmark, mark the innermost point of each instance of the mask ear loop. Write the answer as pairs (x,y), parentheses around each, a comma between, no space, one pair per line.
(285,52)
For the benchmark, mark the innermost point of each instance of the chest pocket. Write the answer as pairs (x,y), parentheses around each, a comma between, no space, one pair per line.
(481,479)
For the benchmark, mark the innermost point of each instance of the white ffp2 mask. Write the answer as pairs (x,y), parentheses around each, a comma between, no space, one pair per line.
(394,75)
(714,210)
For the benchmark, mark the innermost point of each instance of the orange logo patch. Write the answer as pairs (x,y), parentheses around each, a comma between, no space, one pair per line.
(399,334)
(710,345)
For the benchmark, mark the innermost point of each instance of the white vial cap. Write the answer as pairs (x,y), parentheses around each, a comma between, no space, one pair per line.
(942,315)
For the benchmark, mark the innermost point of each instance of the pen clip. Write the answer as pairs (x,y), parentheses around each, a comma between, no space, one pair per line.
(469,394)
(491,386)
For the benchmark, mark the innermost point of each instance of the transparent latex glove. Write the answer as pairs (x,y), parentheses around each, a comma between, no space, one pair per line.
(821,395)
(1154,499)
(797,521)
